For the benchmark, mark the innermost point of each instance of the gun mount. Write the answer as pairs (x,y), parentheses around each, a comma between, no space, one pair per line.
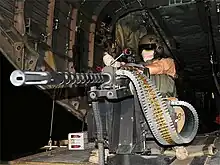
(128,109)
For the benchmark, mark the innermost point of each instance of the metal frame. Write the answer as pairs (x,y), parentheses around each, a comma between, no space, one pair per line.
(49,56)
(91,42)
(50,21)
(19,23)
(72,37)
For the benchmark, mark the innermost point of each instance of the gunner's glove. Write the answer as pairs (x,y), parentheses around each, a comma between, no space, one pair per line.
(108,59)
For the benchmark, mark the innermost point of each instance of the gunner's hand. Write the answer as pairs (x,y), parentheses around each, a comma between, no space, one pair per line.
(122,63)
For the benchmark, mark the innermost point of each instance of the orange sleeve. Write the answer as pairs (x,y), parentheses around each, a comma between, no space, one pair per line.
(163,66)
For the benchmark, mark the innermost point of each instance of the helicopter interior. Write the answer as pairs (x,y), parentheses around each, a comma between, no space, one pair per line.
(73,35)
(191,39)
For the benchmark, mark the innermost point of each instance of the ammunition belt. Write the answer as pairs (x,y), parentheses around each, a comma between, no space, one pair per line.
(156,110)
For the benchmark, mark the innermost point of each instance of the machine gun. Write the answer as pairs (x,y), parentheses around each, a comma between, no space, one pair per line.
(128,110)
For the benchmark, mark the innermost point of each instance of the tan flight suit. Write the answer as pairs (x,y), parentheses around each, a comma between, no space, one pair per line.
(163,77)
(165,84)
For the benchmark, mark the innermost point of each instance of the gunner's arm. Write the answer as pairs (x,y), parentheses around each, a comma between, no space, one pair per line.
(155,69)
(163,66)
(108,59)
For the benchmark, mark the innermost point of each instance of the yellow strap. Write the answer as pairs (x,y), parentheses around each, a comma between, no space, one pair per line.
(49,58)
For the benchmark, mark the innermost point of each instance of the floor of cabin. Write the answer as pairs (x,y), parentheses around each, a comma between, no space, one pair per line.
(58,156)
(62,156)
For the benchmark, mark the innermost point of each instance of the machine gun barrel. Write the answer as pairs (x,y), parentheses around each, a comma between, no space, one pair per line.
(20,78)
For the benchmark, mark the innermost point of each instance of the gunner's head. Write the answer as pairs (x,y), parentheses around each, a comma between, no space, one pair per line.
(150,48)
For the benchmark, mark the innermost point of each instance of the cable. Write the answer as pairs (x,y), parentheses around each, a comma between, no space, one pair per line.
(52,117)
(211,47)
(84,121)
(51,121)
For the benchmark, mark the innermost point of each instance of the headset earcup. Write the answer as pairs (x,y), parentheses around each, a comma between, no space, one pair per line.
(160,50)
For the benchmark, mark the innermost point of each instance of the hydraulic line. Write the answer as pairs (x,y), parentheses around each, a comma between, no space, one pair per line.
(157,112)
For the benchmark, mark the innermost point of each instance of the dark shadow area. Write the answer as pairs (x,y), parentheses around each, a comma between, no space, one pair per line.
(60,93)
(204,98)
(26,116)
